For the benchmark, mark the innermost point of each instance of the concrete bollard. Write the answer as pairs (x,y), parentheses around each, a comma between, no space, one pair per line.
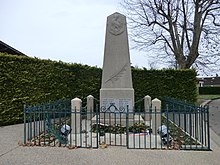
(156,115)
(90,107)
(76,104)
(147,106)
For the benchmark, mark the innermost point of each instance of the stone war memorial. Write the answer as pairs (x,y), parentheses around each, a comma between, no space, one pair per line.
(116,93)
(112,120)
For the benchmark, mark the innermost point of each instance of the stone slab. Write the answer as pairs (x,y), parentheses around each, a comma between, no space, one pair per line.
(120,119)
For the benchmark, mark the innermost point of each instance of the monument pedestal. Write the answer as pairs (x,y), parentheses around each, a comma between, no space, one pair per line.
(117,119)
(121,99)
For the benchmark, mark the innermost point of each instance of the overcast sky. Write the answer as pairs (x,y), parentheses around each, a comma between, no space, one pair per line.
(68,30)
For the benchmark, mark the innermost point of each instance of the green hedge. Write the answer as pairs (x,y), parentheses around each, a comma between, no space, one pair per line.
(25,80)
(209,90)
(179,84)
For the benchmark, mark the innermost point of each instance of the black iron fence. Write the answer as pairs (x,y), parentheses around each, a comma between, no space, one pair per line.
(192,122)
(177,125)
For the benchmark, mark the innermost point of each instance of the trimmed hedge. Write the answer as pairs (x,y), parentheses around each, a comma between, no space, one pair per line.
(179,84)
(26,80)
(209,90)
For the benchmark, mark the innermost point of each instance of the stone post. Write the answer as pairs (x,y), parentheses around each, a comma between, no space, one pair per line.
(90,107)
(76,104)
(147,106)
(156,115)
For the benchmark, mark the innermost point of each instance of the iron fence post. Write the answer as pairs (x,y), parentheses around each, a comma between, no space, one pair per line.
(24,124)
(167,123)
(97,128)
(209,147)
(127,131)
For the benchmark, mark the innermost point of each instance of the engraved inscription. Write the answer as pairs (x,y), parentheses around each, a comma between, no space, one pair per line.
(116,105)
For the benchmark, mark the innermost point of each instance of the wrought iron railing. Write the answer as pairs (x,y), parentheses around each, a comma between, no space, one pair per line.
(192,120)
(180,126)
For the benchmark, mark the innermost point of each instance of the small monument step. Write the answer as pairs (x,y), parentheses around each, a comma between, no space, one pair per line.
(118,119)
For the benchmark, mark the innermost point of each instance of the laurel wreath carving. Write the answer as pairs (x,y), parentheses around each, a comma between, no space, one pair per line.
(116,76)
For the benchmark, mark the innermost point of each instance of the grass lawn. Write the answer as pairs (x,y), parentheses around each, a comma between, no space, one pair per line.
(208,97)
(202,98)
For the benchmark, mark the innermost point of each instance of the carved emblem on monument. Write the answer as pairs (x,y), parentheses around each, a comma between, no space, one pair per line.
(117,24)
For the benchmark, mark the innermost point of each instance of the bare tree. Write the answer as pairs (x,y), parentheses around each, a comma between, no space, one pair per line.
(186,32)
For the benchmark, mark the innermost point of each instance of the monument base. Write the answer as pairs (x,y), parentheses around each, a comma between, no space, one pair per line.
(117,119)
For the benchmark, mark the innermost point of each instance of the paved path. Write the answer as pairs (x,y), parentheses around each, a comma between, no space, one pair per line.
(13,154)
(214,112)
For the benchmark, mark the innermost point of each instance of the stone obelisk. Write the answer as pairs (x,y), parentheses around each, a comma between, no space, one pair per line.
(117,91)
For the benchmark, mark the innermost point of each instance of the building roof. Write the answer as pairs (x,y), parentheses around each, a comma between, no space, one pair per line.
(4,48)
(209,81)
